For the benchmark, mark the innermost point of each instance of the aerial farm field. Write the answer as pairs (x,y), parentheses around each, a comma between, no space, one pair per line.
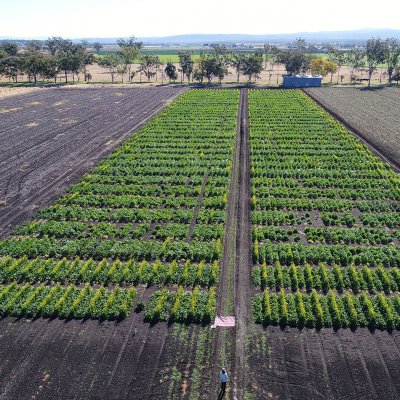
(373,114)
(152,214)
(255,204)
(325,230)
(50,137)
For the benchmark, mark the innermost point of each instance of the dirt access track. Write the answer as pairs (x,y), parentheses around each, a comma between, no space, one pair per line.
(49,138)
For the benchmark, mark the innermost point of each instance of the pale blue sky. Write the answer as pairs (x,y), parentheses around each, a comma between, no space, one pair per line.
(117,18)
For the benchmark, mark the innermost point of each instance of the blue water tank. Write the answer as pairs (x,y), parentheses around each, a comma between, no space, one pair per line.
(296,81)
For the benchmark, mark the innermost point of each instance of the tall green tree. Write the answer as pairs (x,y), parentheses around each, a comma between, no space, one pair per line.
(11,67)
(392,56)
(149,64)
(129,51)
(34,63)
(355,60)
(71,58)
(170,71)
(338,57)
(238,63)
(10,48)
(186,63)
(11,62)
(97,46)
(375,53)
(295,61)
(113,63)
(253,65)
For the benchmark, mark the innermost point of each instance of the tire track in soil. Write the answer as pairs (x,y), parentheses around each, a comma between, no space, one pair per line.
(389,354)
(364,368)
(376,365)
(296,368)
(40,372)
(148,363)
(20,359)
(315,364)
(359,377)
(340,368)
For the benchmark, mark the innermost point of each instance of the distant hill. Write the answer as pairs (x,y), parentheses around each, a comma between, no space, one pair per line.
(355,36)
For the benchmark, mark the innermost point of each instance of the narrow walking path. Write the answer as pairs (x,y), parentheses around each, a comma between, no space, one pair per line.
(224,339)
(242,292)
(234,287)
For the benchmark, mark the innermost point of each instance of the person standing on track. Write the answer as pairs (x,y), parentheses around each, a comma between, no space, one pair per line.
(223,377)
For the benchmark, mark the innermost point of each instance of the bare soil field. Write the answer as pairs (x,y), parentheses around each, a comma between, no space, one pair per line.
(374,114)
(50,138)
(54,359)
(293,364)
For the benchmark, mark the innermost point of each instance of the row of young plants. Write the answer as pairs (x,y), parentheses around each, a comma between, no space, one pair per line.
(104,272)
(153,212)
(389,220)
(331,310)
(298,253)
(125,249)
(324,278)
(348,236)
(307,169)
(65,302)
(182,306)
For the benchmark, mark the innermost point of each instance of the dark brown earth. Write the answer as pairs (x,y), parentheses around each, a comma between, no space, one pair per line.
(293,364)
(54,359)
(50,138)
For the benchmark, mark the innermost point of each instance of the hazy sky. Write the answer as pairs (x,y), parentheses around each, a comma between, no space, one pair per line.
(117,18)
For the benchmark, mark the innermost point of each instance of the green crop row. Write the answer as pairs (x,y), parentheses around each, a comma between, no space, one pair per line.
(324,278)
(105,230)
(104,272)
(315,310)
(182,306)
(348,236)
(297,253)
(65,302)
(98,249)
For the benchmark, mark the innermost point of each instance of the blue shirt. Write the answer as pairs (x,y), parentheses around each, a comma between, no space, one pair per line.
(223,377)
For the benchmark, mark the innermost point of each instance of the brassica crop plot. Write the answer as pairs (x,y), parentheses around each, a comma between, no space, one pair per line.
(324,219)
(152,213)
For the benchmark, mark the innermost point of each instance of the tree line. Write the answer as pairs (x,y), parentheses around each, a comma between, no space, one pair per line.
(44,62)
(47,60)
(299,59)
